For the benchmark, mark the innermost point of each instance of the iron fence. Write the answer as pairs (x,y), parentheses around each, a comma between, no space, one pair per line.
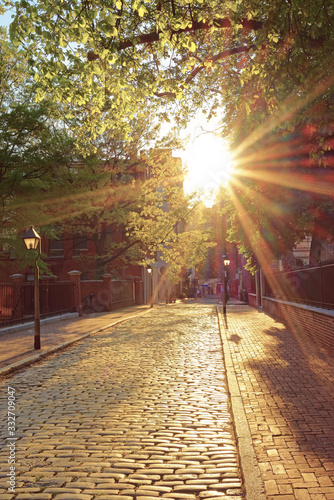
(17,301)
(311,286)
(7,302)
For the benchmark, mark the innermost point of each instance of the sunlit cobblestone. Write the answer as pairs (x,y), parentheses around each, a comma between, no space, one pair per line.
(140,411)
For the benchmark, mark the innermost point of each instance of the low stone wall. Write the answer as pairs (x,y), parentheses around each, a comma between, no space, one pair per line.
(106,295)
(94,287)
(252,299)
(102,295)
(314,322)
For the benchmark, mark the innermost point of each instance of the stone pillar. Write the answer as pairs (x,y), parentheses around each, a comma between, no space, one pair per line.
(18,297)
(75,278)
(107,278)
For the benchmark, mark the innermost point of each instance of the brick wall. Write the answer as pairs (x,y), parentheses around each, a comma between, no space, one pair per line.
(108,294)
(90,287)
(317,323)
(252,299)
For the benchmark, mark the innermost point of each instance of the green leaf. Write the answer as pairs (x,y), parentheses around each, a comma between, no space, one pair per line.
(142,10)
(232,5)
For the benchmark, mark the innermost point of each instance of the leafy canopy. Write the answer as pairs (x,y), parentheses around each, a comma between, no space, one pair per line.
(268,63)
(36,150)
(119,56)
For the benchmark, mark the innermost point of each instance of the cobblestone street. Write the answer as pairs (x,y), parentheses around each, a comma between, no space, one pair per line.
(140,410)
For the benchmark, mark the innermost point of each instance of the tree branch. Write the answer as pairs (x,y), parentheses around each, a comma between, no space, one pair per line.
(195,26)
(213,59)
(107,260)
(218,57)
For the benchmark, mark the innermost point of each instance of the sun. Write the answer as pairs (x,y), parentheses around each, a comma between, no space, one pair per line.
(209,164)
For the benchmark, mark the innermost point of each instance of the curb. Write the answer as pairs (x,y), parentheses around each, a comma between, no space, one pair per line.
(253,484)
(38,357)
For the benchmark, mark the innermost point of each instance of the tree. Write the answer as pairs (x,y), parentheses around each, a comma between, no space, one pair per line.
(267,63)
(188,248)
(121,56)
(115,195)
(257,59)
(216,224)
(36,151)
(280,196)
(135,207)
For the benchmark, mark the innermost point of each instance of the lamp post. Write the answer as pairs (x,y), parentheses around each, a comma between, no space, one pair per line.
(226,263)
(149,270)
(32,241)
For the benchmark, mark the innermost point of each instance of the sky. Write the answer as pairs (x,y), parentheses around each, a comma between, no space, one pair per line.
(5,19)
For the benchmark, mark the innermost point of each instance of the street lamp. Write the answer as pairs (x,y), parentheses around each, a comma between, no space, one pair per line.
(32,241)
(226,263)
(149,270)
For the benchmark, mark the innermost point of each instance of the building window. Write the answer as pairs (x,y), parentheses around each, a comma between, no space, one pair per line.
(56,248)
(80,244)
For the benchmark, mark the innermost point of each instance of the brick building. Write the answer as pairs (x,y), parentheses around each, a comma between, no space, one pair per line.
(69,252)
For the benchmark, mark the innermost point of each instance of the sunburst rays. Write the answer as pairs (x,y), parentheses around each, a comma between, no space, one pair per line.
(277,187)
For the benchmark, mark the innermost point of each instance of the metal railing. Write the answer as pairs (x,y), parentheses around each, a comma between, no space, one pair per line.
(7,302)
(311,286)
(17,301)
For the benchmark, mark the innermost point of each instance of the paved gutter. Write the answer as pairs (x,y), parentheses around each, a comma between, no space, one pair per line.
(249,466)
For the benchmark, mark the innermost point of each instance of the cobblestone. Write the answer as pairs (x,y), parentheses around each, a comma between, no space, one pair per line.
(140,410)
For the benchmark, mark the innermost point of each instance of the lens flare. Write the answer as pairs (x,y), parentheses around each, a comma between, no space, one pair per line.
(210,166)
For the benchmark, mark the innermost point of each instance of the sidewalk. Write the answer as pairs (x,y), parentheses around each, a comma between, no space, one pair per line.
(17,348)
(282,394)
